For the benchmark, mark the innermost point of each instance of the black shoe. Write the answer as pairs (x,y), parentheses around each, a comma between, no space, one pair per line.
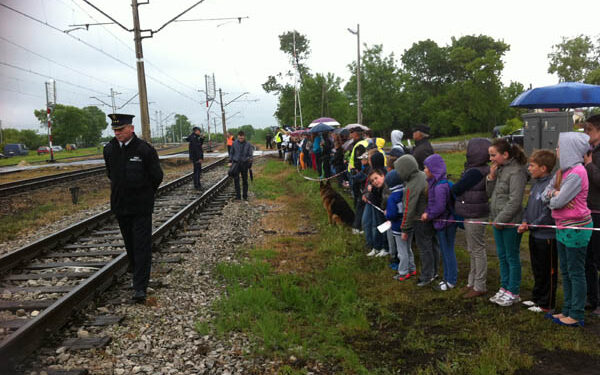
(425,282)
(237,198)
(245,198)
(139,296)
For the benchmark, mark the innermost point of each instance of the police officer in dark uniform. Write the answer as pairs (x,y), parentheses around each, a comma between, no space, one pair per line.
(135,174)
(196,141)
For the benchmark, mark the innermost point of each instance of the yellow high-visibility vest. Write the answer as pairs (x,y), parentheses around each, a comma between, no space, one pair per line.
(363,143)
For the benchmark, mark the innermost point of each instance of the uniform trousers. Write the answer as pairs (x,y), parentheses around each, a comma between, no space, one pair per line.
(236,182)
(197,172)
(137,235)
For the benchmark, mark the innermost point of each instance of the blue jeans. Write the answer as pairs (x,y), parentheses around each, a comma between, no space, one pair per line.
(507,247)
(572,269)
(371,218)
(446,237)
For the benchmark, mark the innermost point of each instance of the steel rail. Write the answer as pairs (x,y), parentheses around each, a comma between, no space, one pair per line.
(27,338)
(32,250)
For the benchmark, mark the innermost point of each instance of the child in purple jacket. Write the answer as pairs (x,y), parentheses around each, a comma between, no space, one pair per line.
(438,211)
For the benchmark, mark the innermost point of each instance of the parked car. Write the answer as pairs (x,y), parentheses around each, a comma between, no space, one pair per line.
(57,148)
(70,147)
(497,131)
(515,137)
(43,150)
(15,149)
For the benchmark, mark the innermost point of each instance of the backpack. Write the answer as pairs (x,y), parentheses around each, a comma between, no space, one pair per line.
(451,202)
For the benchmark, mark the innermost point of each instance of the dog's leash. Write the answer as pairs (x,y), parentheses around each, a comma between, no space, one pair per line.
(316,179)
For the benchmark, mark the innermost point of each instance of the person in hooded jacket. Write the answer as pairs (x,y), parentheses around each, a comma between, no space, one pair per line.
(566,195)
(472,204)
(396,138)
(415,202)
(196,140)
(437,212)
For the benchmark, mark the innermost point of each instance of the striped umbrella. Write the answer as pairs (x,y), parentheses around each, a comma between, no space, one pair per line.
(324,120)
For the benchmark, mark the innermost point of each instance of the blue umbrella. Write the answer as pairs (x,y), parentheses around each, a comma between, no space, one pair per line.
(563,95)
(320,128)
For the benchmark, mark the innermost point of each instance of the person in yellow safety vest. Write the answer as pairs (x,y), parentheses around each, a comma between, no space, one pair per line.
(278,141)
(229,142)
(359,147)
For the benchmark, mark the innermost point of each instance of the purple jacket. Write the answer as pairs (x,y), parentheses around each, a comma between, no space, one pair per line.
(438,193)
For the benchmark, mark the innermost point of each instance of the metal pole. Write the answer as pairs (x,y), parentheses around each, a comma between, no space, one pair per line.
(50,103)
(223,118)
(141,75)
(112,97)
(358,96)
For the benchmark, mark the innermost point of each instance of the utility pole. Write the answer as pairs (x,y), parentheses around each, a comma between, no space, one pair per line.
(223,118)
(358,96)
(1,140)
(112,97)
(50,104)
(141,74)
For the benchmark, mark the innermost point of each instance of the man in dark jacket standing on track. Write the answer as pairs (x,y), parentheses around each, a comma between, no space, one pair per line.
(196,141)
(241,160)
(422,147)
(134,171)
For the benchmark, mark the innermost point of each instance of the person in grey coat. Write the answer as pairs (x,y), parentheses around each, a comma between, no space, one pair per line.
(505,185)
(241,160)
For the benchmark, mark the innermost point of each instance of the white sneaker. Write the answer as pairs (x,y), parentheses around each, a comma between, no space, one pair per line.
(382,253)
(507,299)
(498,294)
(528,303)
(373,252)
(355,231)
(536,309)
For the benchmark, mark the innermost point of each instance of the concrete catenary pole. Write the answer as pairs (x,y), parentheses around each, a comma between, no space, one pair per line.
(141,74)
(223,118)
(358,96)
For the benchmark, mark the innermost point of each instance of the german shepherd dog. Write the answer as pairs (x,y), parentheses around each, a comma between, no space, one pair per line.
(338,210)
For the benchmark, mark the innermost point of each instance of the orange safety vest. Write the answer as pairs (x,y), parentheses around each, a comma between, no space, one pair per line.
(230,141)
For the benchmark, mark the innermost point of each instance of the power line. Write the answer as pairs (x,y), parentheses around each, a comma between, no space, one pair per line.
(47,76)
(58,63)
(97,49)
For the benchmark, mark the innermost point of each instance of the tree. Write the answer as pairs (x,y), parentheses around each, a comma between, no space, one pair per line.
(28,137)
(181,128)
(381,89)
(74,125)
(575,60)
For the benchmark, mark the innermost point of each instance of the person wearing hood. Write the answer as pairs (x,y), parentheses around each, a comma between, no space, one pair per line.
(505,185)
(415,202)
(438,212)
(396,138)
(567,195)
(542,241)
(196,141)
(472,204)
(422,147)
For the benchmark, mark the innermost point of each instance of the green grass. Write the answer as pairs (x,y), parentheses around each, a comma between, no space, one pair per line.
(34,157)
(11,225)
(348,314)
(455,164)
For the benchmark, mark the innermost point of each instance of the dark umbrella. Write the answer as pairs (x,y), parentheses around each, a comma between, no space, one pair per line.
(321,128)
(562,95)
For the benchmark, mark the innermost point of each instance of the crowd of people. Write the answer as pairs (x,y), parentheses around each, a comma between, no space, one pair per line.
(406,193)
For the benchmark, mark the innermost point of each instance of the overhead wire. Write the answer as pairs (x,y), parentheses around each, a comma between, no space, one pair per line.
(98,50)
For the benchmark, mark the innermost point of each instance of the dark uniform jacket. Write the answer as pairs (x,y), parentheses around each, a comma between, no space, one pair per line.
(421,151)
(593,172)
(195,147)
(135,175)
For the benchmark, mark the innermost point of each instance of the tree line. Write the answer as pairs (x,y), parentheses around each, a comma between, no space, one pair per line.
(455,88)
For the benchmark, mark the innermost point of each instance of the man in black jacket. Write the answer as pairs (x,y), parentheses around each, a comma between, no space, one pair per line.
(196,154)
(134,171)
(422,147)
(241,160)
(592,167)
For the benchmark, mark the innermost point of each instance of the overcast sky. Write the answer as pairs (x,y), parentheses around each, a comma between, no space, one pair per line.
(241,56)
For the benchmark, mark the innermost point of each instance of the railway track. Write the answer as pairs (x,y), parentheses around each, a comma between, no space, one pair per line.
(44,283)
(21,186)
